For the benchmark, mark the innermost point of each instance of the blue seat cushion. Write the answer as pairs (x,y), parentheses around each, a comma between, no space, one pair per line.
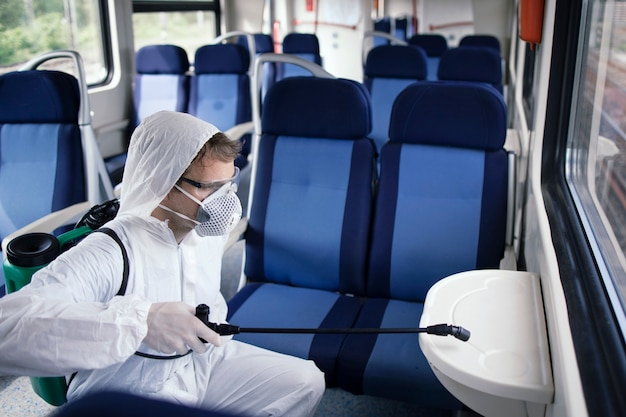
(390,365)
(282,306)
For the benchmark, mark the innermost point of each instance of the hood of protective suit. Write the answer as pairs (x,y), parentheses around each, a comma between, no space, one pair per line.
(161,149)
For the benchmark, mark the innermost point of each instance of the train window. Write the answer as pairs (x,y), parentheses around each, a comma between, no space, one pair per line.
(188,24)
(31,28)
(596,158)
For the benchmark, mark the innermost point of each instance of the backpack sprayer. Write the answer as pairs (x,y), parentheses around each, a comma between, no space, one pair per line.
(202,312)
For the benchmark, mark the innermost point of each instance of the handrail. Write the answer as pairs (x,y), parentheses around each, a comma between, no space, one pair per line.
(84,113)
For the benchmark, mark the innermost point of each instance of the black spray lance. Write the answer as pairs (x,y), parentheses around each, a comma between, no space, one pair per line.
(202,312)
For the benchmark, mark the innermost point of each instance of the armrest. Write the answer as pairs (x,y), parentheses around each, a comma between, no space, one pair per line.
(49,222)
(237,131)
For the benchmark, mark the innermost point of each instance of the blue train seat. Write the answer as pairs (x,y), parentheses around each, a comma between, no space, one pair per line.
(400,28)
(440,209)
(41,169)
(382,25)
(219,91)
(434,45)
(476,64)
(161,83)
(161,80)
(306,241)
(388,70)
(50,159)
(303,45)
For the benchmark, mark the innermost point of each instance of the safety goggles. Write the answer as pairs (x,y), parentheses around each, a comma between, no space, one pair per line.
(214,185)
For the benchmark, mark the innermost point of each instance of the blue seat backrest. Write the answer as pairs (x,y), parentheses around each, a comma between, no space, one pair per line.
(442,197)
(220,88)
(303,45)
(468,63)
(161,80)
(41,157)
(388,70)
(309,222)
(434,45)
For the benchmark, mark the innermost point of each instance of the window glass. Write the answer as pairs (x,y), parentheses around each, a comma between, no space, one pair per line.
(596,169)
(31,28)
(189,30)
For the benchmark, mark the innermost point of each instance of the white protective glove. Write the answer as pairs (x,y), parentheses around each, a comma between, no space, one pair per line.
(173,327)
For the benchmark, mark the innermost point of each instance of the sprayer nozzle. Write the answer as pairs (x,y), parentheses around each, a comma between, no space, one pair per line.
(447,330)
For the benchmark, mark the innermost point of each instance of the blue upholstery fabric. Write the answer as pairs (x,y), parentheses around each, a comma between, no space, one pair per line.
(488,41)
(325,110)
(440,209)
(118,404)
(388,70)
(303,45)
(41,154)
(478,64)
(434,45)
(391,365)
(161,82)
(307,237)
(220,89)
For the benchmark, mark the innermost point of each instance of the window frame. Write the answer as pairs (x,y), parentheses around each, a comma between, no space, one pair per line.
(599,347)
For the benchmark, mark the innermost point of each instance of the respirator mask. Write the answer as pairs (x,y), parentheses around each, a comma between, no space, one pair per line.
(218,213)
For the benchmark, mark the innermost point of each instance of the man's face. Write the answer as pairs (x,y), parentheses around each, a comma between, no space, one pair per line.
(204,173)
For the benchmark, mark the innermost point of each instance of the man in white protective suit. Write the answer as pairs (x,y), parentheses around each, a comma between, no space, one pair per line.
(178,204)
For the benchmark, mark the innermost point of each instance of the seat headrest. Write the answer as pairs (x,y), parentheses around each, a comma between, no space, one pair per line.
(470,63)
(299,43)
(39,96)
(221,59)
(433,44)
(317,107)
(161,59)
(459,114)
(396,61)
(488,41)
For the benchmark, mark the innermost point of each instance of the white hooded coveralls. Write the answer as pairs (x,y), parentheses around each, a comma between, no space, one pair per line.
(69,318)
